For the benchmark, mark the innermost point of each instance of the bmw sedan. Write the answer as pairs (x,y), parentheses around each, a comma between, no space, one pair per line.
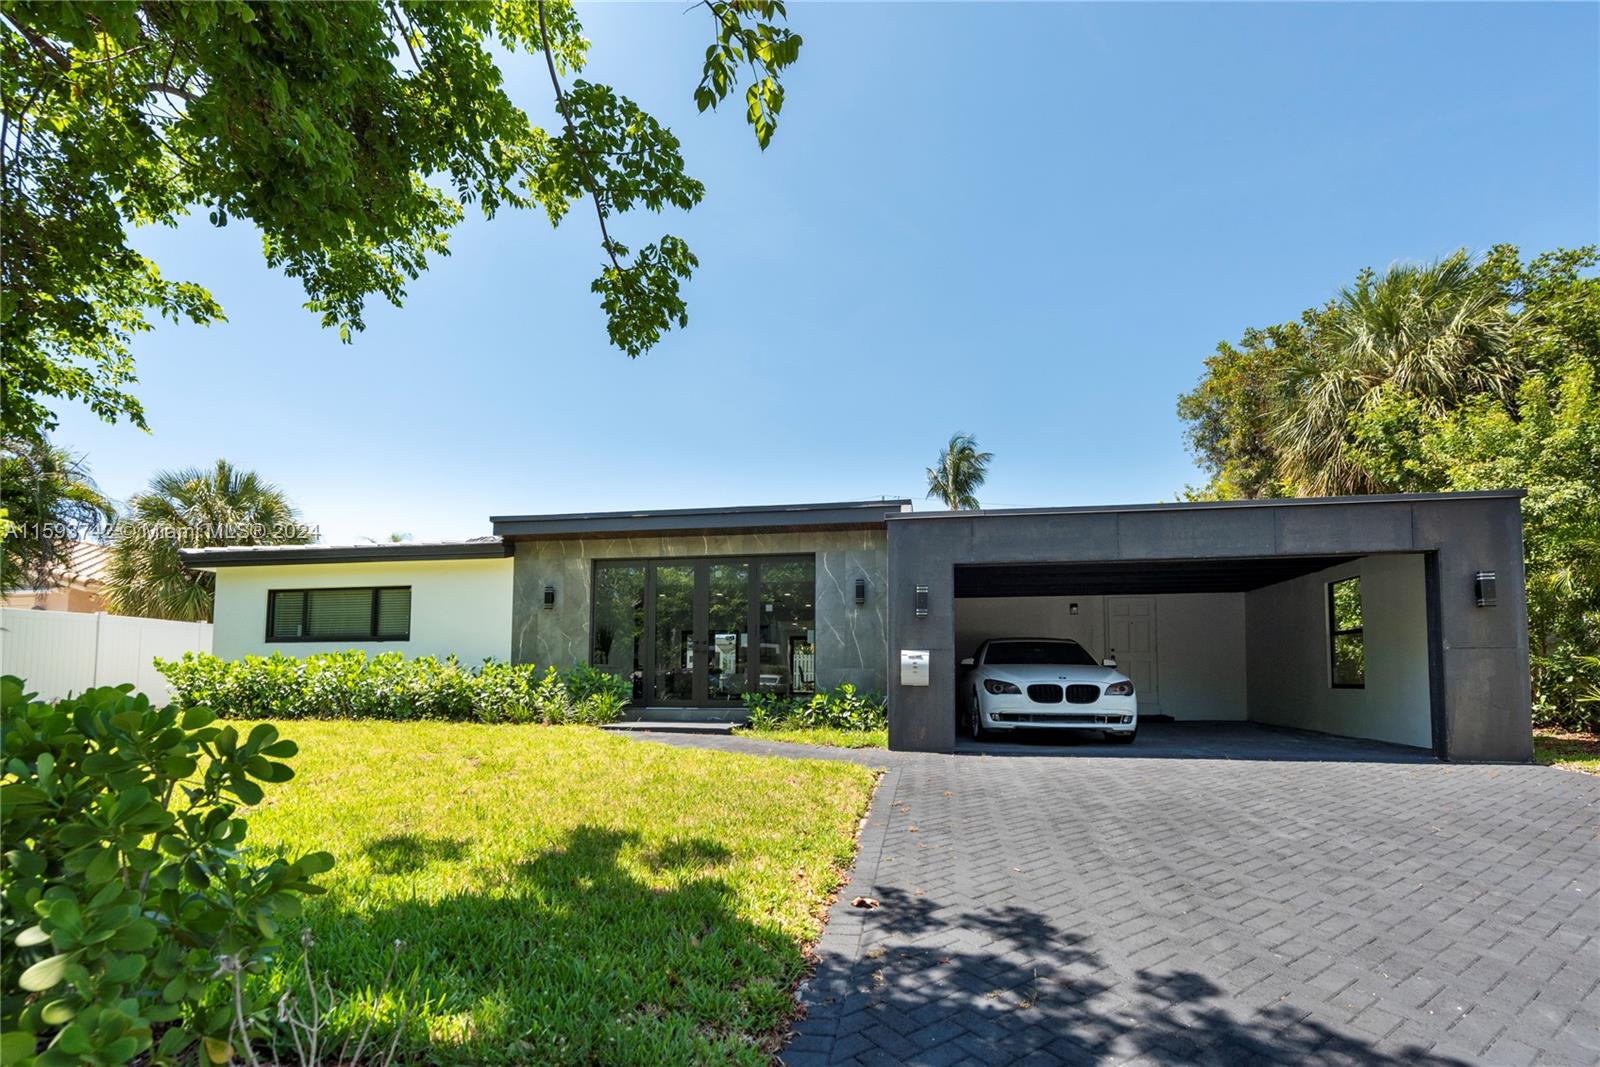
(1043,684)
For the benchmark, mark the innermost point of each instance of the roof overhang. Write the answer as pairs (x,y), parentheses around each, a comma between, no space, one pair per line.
(1135,577)
(205,559)
(769,518)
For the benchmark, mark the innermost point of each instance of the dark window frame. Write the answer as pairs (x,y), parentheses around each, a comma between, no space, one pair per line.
(371,633)
(1334,633)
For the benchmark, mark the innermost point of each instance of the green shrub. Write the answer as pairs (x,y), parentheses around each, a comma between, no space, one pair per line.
(126,891)
(352,685)
(843,708)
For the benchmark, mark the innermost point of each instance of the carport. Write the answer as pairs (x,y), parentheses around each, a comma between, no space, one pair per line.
(1398,619)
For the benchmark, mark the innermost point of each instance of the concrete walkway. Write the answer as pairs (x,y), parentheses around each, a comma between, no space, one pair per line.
(1209,902)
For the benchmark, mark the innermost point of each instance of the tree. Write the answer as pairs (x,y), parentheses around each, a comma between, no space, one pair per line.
(351,133)
(960,472)
(1437,333)
(50,501)
(192,508)
(1457,376)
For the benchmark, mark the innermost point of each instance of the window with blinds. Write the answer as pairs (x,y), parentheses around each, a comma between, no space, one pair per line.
(364,614)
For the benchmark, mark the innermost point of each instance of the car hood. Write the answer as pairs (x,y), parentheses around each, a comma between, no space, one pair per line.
(1028,673)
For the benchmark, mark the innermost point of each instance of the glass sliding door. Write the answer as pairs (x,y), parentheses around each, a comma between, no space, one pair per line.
(704,632)
(676,634)
(728,628)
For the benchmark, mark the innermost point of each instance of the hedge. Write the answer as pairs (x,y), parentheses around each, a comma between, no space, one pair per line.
(350,685)
(843,708)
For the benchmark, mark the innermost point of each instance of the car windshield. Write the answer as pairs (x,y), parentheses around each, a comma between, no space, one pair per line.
(1039,653)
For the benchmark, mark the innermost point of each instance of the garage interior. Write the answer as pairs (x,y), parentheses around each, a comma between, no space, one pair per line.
(1245,639)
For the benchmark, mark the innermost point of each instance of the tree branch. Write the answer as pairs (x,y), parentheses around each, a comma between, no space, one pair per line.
(56,55)
(577,146)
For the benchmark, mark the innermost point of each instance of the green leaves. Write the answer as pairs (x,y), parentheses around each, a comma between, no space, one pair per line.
(127,878)
(351,134)
(765,48)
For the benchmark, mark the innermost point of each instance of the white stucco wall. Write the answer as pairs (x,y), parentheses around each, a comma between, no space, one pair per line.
(458,607)
(1287,628)
(1200,643)
(1200,656)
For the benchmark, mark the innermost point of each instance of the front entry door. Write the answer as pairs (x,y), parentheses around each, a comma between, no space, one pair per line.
(1131,635)
(701,653)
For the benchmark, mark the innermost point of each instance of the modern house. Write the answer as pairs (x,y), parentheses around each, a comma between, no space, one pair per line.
(1395,618)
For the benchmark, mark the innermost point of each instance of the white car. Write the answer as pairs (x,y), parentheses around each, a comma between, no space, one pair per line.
(1035,683)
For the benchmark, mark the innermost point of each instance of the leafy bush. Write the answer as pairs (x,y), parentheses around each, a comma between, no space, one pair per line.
(836,709)
(352,685)
(124,882)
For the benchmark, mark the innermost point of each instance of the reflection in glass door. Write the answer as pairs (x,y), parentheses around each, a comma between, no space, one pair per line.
(728,625)
(675,633)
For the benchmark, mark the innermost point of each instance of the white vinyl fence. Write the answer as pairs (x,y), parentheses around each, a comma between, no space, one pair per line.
(62,652)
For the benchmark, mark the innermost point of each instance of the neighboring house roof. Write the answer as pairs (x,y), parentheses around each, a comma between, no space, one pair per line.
(81,564)
(206,559)
(841,515)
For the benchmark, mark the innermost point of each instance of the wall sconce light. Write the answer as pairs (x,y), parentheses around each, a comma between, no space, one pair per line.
(1072,609)
(921,602)
(1483,585)
(549,597)
(861,591)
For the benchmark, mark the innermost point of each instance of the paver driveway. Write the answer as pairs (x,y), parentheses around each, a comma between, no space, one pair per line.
(1326,908)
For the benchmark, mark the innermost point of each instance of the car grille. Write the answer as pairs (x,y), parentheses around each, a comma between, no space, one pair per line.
(1046,693)
(1082,694)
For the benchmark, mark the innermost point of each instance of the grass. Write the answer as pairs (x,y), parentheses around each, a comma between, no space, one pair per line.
(564,896)
(823,736)
(1570,750)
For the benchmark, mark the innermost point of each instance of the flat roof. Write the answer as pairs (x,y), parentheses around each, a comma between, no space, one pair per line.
(1202,505)
(838,515)
(206,559)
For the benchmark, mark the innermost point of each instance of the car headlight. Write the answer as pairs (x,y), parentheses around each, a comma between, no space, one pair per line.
(997,687)
(1119,689)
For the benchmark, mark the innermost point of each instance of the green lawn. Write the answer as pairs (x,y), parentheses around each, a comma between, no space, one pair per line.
(823,736)
(1571,751)
(565,895)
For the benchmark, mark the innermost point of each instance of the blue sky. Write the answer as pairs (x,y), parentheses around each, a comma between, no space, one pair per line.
(1030,222)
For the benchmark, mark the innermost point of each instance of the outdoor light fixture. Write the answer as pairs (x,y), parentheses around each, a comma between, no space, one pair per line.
(549,597)
(861,591)
(922,602)
(1483,584)
(1072,609)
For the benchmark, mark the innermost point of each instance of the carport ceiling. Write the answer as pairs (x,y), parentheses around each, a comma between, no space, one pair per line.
(1135,576)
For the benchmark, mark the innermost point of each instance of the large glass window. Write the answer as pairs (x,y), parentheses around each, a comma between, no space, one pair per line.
(1347,649)
(706,631)
(788,662)
(363,614)
(619,622)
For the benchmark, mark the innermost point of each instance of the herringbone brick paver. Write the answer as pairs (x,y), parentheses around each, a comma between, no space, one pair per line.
(1336,902)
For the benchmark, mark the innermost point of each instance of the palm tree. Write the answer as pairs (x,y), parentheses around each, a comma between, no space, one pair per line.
(961,470)
(49,501)
(1434,333)
(192,508)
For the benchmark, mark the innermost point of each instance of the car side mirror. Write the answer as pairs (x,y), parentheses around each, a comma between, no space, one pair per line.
(969,661)
(1109,661)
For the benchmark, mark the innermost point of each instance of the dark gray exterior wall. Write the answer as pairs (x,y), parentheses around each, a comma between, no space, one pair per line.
(1481,653)
(850,637)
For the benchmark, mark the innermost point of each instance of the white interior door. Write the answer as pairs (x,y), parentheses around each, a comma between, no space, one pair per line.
(1131,637)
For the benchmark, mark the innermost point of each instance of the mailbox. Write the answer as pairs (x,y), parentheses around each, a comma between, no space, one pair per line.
(913,666)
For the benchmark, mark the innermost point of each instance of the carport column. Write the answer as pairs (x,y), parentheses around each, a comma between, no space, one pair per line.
(922,718)
(1483,651)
